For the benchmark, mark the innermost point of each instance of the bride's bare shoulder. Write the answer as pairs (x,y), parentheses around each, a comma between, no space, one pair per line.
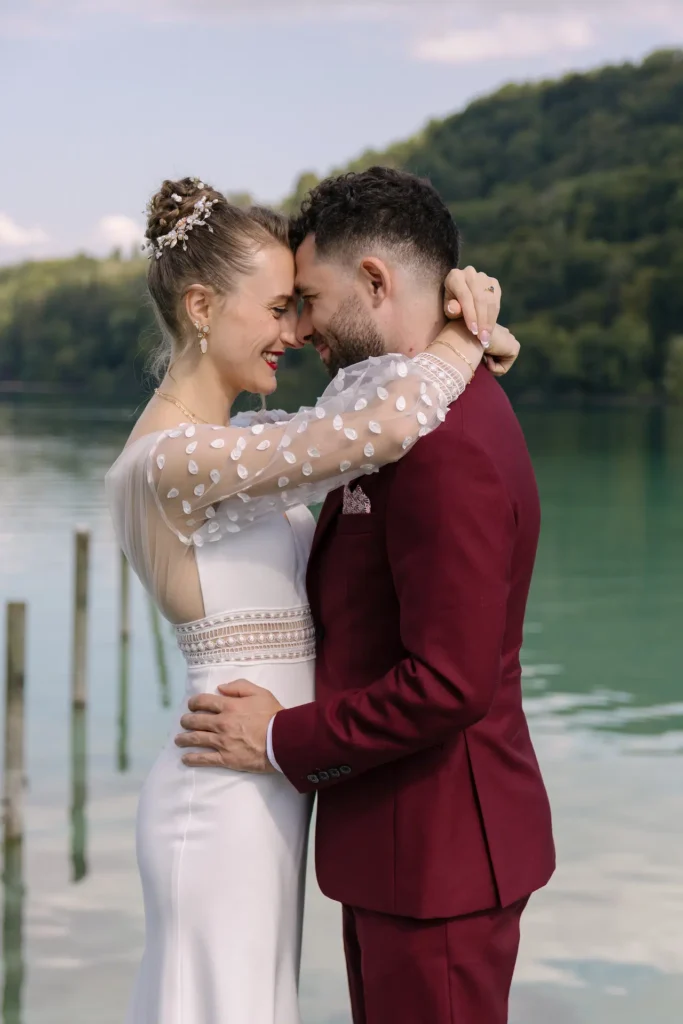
(153,419)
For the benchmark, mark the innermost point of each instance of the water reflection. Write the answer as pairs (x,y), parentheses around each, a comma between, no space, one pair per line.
(123,762)
(13,931)
(160,656)
(79,789)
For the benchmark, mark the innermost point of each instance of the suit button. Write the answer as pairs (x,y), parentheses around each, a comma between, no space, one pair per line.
(313,778)
(345,769)
(323,776)
(335,773)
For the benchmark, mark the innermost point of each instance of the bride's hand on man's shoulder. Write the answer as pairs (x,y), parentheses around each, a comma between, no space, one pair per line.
(474,297)
(502,351)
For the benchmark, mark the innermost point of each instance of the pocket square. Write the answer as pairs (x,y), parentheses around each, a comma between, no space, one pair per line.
(356,502)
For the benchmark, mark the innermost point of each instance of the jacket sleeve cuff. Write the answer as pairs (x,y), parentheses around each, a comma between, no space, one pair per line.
(269,746)
(293,736)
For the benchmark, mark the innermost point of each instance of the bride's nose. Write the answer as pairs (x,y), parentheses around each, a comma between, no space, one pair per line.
(288,331)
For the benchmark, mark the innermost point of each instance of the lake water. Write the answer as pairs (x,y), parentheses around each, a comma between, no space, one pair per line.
(604,695)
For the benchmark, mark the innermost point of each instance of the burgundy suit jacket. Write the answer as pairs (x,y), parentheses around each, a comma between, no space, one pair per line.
(430,799)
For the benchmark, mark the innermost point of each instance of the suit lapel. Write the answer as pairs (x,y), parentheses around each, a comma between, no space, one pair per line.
(327,516)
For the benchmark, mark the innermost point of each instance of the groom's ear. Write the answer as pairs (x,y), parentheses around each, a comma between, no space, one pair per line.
(375,279)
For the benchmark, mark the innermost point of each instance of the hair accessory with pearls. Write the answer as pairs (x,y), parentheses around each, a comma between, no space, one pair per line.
(198,218)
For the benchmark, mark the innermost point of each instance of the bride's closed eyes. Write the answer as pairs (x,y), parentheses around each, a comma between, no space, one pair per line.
(282,304)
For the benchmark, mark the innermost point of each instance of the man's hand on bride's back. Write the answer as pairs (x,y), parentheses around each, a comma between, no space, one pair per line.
(229,729)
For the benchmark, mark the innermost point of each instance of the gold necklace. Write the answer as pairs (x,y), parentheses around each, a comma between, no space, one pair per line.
(193,418)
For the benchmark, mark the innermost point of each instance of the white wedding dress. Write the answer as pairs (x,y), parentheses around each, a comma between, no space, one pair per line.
(213,521)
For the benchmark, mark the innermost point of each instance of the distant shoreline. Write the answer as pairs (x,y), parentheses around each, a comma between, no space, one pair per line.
(30,389)
(20,387)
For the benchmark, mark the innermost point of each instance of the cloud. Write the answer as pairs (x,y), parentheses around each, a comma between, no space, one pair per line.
(36,19)
(446,19)
(117,231)
(511,37)
(13,236)
(462,11)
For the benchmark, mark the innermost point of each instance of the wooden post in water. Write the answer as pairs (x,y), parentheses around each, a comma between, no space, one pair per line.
(14,720)
(13,873)
(162,668)
(124,664)
(79,697)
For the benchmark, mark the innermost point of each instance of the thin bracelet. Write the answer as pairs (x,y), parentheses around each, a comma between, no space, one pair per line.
(457,352)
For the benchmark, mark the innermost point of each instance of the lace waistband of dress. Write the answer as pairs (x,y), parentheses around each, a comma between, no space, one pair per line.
(287,635)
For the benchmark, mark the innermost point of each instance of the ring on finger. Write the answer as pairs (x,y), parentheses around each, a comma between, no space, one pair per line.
(490,288)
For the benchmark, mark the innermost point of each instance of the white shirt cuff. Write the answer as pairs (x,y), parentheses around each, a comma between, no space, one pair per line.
(269,746)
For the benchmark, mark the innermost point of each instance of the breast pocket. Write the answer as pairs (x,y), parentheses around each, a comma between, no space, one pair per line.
(357,549)
(360,600)
(359,523)
(359,553)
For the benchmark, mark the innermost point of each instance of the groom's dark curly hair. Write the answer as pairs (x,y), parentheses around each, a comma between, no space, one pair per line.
(382,208)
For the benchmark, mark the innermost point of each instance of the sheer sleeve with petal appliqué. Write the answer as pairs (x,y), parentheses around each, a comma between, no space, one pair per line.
(210,480)
(252,416)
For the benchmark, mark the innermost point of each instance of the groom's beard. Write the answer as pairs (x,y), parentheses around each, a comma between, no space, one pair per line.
(351,336)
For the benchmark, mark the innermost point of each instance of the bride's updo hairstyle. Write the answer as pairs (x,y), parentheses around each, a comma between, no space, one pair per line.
(196,236)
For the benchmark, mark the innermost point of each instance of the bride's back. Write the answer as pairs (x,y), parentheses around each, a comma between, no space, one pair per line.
(260,567)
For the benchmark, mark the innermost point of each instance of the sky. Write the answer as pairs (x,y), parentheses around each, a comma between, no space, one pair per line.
(100,100)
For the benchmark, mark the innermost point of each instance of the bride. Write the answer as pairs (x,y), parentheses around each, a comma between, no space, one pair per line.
(213,520)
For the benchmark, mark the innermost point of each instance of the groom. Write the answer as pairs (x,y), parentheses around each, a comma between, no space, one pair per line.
(433,824)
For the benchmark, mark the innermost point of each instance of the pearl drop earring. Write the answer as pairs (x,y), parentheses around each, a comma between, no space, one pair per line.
(203,339)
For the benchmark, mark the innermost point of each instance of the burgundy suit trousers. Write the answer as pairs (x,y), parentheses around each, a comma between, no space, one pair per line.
(445,971)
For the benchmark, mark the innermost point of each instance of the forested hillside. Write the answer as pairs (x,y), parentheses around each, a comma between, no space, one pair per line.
(571,192)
